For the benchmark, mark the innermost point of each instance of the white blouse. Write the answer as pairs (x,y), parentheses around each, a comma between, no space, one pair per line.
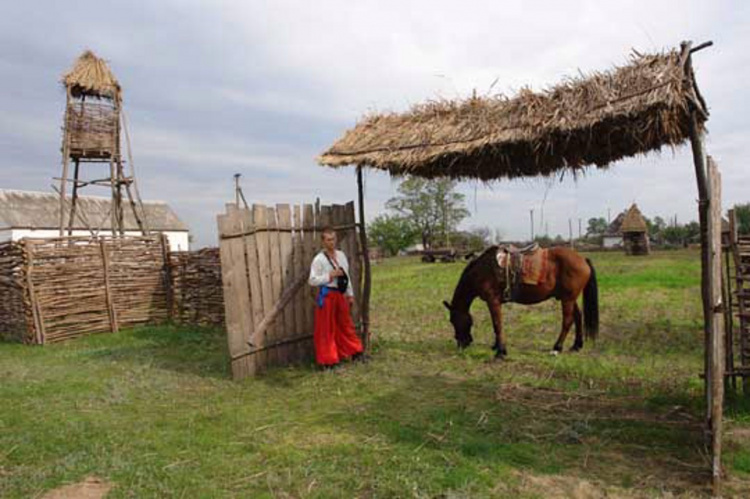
(321,269)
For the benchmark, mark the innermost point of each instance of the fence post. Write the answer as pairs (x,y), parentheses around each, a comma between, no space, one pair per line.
(33,303)
(168,277)
(107,288)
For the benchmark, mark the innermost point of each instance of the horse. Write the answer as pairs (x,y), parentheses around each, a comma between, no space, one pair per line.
(566,275)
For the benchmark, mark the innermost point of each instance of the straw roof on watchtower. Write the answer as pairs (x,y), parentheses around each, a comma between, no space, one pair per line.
(635,232)
(587,120)
(91,75)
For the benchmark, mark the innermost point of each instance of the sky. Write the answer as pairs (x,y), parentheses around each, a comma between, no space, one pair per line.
(262,87)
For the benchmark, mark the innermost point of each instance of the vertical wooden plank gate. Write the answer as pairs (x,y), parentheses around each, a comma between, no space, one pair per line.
(265,260)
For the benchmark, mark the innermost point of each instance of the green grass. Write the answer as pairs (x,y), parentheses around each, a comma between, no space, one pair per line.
(153,409)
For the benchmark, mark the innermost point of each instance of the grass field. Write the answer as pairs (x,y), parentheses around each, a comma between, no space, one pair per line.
(153,410)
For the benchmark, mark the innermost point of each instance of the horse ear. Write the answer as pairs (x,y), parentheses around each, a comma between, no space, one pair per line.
(447,305)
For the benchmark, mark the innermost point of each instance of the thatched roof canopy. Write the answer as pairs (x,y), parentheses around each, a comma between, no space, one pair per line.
(587,120)
(91,75)
(633,221)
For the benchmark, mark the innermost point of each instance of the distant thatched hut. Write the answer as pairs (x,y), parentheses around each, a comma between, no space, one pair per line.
(635,232)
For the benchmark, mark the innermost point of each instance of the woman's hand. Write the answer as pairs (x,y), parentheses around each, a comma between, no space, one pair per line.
(335,273)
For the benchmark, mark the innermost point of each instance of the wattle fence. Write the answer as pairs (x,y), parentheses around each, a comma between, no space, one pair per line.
(56,289)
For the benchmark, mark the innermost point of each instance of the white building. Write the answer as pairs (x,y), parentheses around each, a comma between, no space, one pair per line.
(612,237)
(37,214)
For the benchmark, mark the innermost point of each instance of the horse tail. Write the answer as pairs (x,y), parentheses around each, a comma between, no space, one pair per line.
(591,305)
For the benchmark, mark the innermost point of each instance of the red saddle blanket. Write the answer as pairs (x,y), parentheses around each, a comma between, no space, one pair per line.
(529,268)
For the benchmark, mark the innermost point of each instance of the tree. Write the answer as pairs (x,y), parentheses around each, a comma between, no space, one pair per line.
(742,212)
(431,206)
(391,233)
(596,227)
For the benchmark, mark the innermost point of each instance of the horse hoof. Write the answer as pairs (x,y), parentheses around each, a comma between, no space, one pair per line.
(554,353)
(575,349)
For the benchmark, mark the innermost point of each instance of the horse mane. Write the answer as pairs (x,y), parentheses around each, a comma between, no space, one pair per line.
(473,265)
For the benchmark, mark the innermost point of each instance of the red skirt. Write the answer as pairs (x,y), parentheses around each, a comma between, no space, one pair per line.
(335,337)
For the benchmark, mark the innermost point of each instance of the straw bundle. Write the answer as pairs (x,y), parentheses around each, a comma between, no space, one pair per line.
(583,121)
(91,75)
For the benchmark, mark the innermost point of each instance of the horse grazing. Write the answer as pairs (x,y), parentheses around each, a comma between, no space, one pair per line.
(564,276)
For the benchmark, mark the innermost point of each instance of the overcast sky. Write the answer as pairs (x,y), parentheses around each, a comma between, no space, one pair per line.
(262,87)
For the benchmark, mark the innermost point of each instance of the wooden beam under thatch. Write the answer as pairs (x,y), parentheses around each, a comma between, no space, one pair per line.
(589,120)
(91,75)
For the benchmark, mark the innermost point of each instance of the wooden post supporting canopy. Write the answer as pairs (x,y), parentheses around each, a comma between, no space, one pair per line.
(709,209)
(366,257)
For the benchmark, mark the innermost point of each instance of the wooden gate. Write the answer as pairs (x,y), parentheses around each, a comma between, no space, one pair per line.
(265,263)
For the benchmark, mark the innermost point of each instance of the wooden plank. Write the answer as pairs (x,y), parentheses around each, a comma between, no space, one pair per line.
(717,340)
(299,270)
(260,217)
(279,326)
(253,270)
(284,218)
(308,223)
(236,293)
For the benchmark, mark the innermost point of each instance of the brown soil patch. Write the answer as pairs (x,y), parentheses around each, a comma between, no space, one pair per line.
(90,488)
(571,487)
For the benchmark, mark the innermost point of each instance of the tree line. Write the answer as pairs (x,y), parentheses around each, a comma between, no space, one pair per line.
(429,211)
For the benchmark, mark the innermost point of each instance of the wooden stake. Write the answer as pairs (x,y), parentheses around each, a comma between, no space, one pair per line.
(107,288)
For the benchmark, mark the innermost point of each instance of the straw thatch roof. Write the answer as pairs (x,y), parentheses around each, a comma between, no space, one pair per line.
(633,221)
(91,75)
(591,120)
(41,211)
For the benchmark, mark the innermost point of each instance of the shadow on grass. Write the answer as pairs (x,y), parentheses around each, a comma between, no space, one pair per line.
(541,430)
(196,350)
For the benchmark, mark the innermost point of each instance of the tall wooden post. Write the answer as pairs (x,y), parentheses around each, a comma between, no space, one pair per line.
(365,310)
(709,210)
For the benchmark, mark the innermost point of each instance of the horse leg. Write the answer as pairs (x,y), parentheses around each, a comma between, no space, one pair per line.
(568,306)
(496,312)
(578,344)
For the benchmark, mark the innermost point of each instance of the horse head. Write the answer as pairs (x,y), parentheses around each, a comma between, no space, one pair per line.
(462,323)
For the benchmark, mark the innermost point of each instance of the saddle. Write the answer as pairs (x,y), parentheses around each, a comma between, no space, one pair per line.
(525,265)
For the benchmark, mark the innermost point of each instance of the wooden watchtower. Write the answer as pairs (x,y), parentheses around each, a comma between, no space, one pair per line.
(92,136)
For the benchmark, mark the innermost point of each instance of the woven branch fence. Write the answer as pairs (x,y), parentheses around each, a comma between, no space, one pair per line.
(196,287)
(56,289)
(12,311)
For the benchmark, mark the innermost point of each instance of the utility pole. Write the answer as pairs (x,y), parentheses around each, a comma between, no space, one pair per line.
(531,212)
(609,216)
(570,231)
(237,189)
(579,228)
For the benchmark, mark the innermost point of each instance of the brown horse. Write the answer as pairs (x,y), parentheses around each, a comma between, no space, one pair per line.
(567,275)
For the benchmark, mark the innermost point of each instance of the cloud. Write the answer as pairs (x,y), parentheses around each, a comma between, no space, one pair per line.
(262,87)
